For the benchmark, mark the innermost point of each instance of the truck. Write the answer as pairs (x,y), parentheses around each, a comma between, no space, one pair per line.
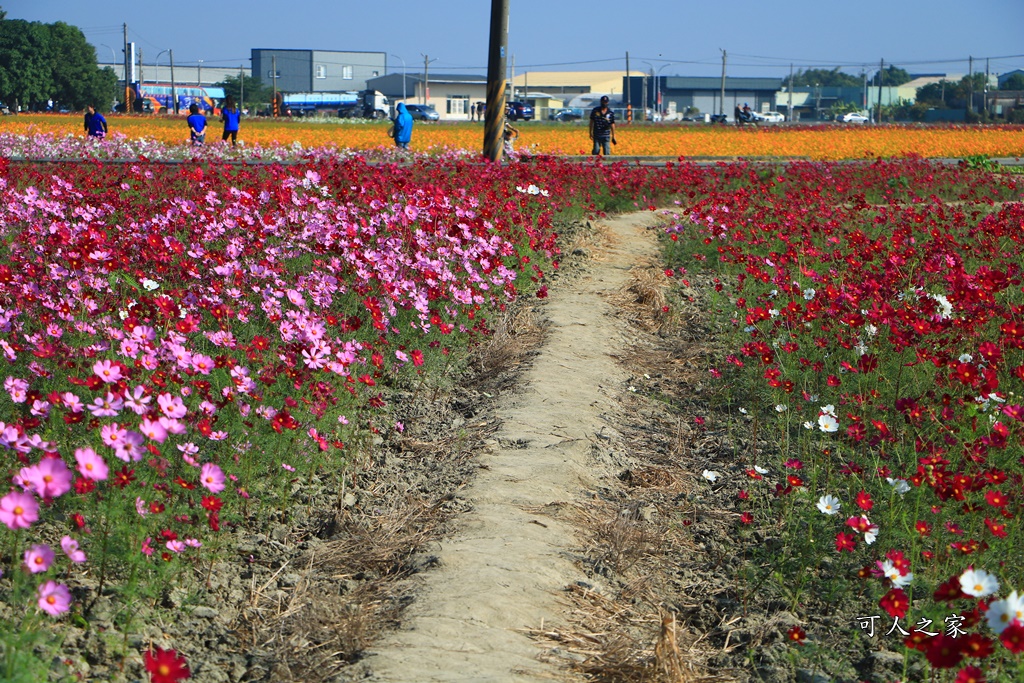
(369,104)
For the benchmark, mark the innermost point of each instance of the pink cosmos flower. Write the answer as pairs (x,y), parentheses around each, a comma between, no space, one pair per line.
(54,598)
(172,406)
(140,507)
(38,558)
(212,478)
(106,406)
(202,364)
(107,370)
(90,465)
(147,548)
(152,429)
(176,546)
(18,510)
(50,478)
(70,548)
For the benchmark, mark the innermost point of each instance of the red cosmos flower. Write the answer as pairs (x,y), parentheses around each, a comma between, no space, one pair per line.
(944,652)
(746,518)
(417,357)
(977,646)
(917,640)
(923,528)
(796,635)
(123,477)
(187,485)
(996,498)
(845,542)
(949,591)
(895,603)
(166,666)
(1012,637)
(864,501)
(212,503)
(970,674)
(794,480)
(998,530)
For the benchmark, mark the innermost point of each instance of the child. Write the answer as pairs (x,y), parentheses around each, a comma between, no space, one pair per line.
(196,125)
(511,133)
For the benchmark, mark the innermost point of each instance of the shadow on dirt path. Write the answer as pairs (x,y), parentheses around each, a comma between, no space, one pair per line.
(501,572)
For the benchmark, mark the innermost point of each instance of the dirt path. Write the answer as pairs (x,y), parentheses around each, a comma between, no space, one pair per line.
(503,570)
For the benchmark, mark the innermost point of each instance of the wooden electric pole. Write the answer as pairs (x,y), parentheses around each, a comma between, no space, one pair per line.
(494,115)
(721,104)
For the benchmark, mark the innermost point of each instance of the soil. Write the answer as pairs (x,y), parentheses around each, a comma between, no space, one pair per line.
(543,518)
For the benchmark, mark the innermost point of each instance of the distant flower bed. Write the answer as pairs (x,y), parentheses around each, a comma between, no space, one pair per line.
(825,141)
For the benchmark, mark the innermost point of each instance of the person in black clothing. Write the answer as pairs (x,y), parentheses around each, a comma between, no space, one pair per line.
(602,127)
(737,115)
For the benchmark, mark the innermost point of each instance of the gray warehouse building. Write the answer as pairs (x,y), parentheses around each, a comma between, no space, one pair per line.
(295,71)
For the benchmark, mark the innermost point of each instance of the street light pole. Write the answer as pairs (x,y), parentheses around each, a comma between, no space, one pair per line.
(403,75)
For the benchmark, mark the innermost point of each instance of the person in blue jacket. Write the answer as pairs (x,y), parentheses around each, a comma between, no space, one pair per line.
(403,126)
(196,125)
(231,117)
(95,124)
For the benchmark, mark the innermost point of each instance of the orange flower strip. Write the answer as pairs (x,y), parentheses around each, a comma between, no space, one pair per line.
(821,142)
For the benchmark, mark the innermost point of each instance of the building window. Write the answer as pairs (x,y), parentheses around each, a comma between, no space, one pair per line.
(271,74)
(458,104)
(321,71)
(346,73)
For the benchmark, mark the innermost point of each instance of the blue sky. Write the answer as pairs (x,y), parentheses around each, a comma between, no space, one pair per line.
(679,37)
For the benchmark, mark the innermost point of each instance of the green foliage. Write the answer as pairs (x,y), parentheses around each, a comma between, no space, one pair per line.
(825,78)
(255,90)
(894,75)
(40,62)
(1014,82)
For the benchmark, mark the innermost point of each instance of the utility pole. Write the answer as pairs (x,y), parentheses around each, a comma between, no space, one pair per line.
(241,88)
(174,86)
(127,85)
(881,77)
(199,74)
(494,115)
(273,68)
(142,79)
(629,108)
(864,104)
(721,104)
(790,112)
(426,79)
(970,84)
(512,77)
(984,103)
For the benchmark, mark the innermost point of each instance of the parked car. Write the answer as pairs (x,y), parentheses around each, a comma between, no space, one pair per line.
(769,117)
(566,115)
(4,109)
(520,111)
(853,117)
(423,112)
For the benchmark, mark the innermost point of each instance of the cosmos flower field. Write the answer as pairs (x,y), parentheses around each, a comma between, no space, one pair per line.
(182,342)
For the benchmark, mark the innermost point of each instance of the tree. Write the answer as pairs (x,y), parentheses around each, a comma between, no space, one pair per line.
(41,62)
(255,91)
(894,76)
(1014,82)
(824,78)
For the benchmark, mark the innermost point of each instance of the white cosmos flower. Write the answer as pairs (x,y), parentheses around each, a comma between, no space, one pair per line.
(978,583)
(781,408)
(710,475)
(809,293)
(1001,612)
(760,470)
(965,358)
(150,285)
(808,425)
(893,574)
(829,505)
(899,485)
(828,423)
(871,534)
